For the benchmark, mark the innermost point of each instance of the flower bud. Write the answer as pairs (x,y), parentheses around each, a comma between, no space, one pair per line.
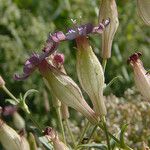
(66,90)
(144,10)
(18,121)
(2,82)
(32,142)
(91,75)
(141,77)
(53,136)
(10,140)
(108,9)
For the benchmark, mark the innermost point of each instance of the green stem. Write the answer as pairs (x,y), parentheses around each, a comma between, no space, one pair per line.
(83,132)
(91,135)
(10,94)
(104,63)
(70,132)
(25,110)
(68,6)
(34,122)
(60,123)
(106,133)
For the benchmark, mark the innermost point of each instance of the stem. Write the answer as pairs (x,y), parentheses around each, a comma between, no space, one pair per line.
(106,133)
(104,63)
(10,94)
(83,132)
(16,100)
(70,132)
(68,6)
(91,135)
(60,123)
(35,123)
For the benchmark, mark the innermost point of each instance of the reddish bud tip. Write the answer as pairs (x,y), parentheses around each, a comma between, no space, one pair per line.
(133,58)
(47,131)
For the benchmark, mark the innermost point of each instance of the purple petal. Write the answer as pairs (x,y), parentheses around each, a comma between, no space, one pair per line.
(106,22)
(71,34)
(21,77)
(58,36)
(99,29)
(9,110)
(82,30)
(34,59)
(28,68)
(50,46)
(85,29)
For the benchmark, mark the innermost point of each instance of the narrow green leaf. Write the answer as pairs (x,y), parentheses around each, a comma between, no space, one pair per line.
(112,82)
(29,92)
(45,142)
(148,72)
(94,145)
(11,101)
(123,129)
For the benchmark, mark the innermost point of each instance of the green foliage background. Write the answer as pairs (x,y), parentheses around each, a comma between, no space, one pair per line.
(25,25)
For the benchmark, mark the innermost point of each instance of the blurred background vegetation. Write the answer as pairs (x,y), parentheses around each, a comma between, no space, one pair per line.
(25,25)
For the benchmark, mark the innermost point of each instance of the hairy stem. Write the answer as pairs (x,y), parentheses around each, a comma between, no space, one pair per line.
(106,132)
(60,123)
(10,94)
(87,126)
(70,132)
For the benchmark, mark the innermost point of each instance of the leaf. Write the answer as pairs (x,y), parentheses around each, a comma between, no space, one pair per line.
(148,72)
(11,101)
(94,145)
(29,92)
(123,129)
(112,82)
(45,142)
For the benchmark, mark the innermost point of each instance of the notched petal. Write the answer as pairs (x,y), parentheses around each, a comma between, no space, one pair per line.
(21,77)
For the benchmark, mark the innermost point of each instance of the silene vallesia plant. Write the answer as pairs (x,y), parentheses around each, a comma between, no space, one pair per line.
(141,76)
(63,88)
(61,85)
(66,93)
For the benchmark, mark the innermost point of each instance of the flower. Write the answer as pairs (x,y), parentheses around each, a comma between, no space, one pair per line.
(108,9)
(66,90)
(144,10)
(90,74)
(52,44)
(141,77)
(61,85)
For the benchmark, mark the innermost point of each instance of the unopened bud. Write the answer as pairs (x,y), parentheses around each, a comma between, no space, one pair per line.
(2,82)
(18,121)
(144,10)
(10,139)
(91,75)
(53,136)
(32,142)
(108,9)
(141,77)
